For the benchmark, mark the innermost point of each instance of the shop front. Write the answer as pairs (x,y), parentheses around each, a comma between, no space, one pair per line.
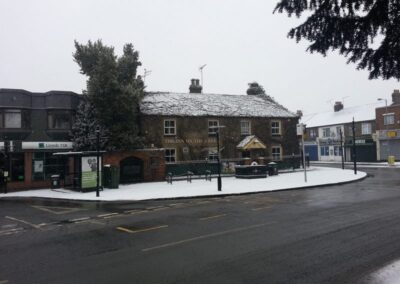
(30,165)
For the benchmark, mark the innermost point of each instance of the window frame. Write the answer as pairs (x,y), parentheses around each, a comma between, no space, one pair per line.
(273,128)
(326,130)
(212,155)
(273,155)
(363,128)
(52,112)
(4,113)
(212,129)
(385,118)
(169,128)
(168,157)
(242,127)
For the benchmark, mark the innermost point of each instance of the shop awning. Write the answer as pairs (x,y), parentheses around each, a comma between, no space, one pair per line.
(251,142)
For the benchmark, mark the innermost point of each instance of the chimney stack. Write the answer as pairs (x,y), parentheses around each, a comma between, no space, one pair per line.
(396,97)
(338,106)
(195,87)
(299,113)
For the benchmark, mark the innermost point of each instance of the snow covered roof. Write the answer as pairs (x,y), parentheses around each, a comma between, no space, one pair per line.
(190,104)
(360,113)
(250,142)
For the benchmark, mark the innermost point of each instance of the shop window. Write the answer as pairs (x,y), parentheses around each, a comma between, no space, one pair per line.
(44,165)
(276,153)
(169,127)
(245,127)
(275,127)
(59,119)
(212,126)
(338,151)
(324,151)
(170,155)
(17,167)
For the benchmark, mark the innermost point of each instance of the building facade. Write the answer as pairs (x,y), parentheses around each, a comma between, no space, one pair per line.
(249,126)
(388,128)
(33,126)
(330,134)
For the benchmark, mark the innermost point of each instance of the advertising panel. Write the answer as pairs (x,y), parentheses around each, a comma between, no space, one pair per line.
(89,172)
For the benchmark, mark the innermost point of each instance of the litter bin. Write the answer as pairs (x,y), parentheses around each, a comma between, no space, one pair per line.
(111,176)
(55,181)
(272,169)
(391,160)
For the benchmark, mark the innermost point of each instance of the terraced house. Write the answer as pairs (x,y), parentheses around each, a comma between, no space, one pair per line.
(185,125)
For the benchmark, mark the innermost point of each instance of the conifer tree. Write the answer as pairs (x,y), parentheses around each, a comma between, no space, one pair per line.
(114,92)
(367,32)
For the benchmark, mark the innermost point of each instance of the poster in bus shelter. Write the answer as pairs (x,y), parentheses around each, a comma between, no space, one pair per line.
(89,172)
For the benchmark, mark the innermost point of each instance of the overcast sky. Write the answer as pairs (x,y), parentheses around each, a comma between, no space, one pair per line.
(240,41)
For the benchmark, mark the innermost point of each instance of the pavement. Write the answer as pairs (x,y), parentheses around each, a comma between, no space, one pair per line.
(315,176)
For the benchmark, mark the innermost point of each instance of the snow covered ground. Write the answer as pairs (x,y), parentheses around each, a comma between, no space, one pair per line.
(230,185)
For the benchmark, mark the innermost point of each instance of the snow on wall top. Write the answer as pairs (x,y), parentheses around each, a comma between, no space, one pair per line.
(190,104)
(360,113)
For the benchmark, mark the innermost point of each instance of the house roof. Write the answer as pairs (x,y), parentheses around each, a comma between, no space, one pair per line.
(360,113)
(190,104)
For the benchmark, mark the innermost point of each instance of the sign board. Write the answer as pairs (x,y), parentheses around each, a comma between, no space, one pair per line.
(391,134)
(46,145)
(38,166)
(300,129)
(89,172)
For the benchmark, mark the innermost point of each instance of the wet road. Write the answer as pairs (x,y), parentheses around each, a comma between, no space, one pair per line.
(337,234)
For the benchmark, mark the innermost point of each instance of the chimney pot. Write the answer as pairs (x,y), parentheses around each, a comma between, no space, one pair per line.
(195,87)
(396,97)
(338,106)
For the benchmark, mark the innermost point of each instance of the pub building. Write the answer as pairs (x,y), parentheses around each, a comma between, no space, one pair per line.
(32,127)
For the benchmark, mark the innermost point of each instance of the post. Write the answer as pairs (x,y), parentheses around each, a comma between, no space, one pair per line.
(6,172)
(98,162)
(354,148)
(219,163)
(304,153)
(341,147)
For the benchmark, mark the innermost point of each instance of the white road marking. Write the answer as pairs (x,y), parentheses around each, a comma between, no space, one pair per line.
(141,230)
(61,210)
(23,221)
(107,215)
(212,217)
(236,230)
(79,219)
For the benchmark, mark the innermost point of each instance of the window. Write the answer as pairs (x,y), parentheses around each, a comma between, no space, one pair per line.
(338,151)
(366,128)
(245,127)
(276,153)
(17,167)
(12,119)
(313,133)
(275,127)
(59,119)
(169,127)
(212,126)
(338,130)
(170,155)
(44,165)
(326,132)
(212,155)
(324,151)
(388,119)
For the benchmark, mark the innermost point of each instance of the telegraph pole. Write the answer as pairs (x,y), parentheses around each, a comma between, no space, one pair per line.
(341,147)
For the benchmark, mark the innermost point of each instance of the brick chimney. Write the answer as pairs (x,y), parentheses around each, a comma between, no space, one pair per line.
(338,106)
(195,87)
(396,97)
(299,113)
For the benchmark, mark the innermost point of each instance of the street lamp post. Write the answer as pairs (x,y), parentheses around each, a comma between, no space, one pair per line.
(98,162)
(219,163)
(386,127)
